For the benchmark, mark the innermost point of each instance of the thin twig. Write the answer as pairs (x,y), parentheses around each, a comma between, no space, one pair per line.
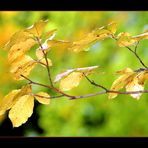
(47,66)
(136,47)
(50,97)
(95,84)
(50,87)
(32,82)
(134,52)
(136,56)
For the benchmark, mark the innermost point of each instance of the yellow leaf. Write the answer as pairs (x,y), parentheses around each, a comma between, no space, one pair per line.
(8,101)
(44,62)
(11,98)
(58,43)
(71,81)
(131,80)
(18,38)
(119,83)
(92,37)
(142,76)
(125,39)
(112,27)
(134,86)
(22,66)
(19,49)
(37,28)
(22,110)
(45,99)
(86,70)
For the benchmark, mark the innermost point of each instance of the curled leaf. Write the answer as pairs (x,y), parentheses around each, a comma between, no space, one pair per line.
(125,39)
(66,73)
(72,77)
(131,80)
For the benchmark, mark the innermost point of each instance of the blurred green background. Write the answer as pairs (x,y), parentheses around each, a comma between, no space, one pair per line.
(95,116)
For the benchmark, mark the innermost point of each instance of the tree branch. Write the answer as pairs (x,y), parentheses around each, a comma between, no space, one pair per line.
(47,66)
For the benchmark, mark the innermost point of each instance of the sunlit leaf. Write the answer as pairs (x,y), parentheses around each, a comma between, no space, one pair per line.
(125,39)
(37,28)
(43,98)
(23,66)
(135,86)
(11,98)
(22,110)
(112,27)
(71,81)
(131,80)
(8,101)
(92,37)
(66,73)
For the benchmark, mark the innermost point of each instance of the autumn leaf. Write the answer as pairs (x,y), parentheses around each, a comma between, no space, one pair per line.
(71,81)
(22,66)
(37,28)
(21,110)
(67,72)
(131,80)
(125,39)
(43,98)
(11,98)
(72,77)
(8,101)
(92,37)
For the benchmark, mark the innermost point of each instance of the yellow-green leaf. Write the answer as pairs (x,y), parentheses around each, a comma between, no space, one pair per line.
(22,110)
(43,98)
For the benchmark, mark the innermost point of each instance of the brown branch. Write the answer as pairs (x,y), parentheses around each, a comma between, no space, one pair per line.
(47,66)
(87,95)
(95,84)
(134,52)
(140,60)
(32,82)
(51,87)
(51,97)
(109,91)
